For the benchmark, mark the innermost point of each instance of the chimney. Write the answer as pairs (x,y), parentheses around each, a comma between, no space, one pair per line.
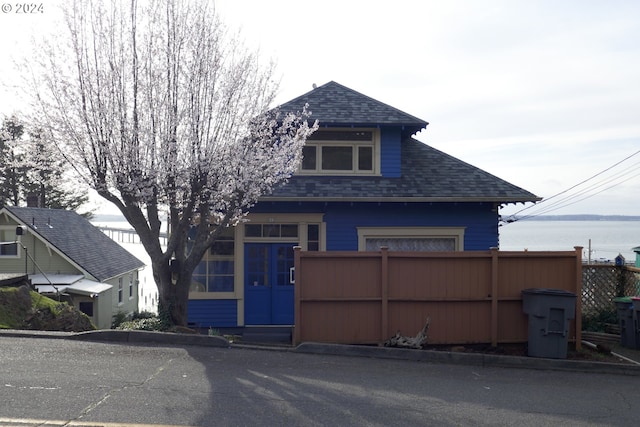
(33,200)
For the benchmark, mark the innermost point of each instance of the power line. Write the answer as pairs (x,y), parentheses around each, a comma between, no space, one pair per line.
(582,194)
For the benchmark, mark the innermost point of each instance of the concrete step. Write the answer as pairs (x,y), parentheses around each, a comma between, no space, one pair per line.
(267,334)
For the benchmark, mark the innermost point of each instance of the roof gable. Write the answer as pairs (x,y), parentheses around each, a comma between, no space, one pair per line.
(333,104)
(77,239)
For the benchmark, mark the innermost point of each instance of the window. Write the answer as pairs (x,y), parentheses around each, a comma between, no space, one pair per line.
(271,230)
(341,151)
(411,239)
(7,237)
(313,237)
(86,307)
(215,273)
(120,290)
(130,285)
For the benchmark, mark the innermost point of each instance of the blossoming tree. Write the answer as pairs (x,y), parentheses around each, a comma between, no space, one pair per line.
(165,113)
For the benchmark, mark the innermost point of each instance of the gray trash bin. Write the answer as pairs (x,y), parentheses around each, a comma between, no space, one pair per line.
(549,313)
(624,307)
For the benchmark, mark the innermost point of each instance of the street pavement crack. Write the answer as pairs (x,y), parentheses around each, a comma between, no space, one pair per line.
(86,411)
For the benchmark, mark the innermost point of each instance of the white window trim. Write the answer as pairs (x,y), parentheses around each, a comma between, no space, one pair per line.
(132,293)
(120,291)
(455,233)
(302,219)
(8,243)
(375,144)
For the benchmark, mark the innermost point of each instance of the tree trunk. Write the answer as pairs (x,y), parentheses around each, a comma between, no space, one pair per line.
(173,294)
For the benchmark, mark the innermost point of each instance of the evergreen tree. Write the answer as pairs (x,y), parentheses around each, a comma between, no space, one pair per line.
(30,168)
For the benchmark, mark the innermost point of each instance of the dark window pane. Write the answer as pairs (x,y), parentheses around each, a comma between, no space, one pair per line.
(337,158)
(220,284)
(308,158)
(365,158)
(253,230)
(289,230)
(9,250)
(313,231)
(222,267)
(341,135)
(86,307)
(222,248)
(271,230)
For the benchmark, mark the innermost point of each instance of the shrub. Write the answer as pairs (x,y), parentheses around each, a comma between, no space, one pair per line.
(146,324)
(597,322)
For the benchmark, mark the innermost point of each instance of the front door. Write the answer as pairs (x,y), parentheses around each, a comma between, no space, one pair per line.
(268,287)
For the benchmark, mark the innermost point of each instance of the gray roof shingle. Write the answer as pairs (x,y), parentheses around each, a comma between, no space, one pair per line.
(79,240)
(335,105)
(427,174)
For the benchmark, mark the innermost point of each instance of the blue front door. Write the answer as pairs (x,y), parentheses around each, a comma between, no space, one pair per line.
(268,289)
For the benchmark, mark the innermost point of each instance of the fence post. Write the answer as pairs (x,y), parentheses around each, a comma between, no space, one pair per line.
(296,294)
(578,297)
(494,297)
(384,294)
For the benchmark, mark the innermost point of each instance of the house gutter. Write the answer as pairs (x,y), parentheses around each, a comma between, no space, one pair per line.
(403,199)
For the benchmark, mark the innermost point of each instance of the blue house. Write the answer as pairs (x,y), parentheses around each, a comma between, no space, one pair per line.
(364,183)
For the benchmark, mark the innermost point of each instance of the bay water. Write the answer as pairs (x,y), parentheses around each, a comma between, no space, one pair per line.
(608,238)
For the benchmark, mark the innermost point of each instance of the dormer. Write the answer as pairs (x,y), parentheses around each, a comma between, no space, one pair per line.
(358,135)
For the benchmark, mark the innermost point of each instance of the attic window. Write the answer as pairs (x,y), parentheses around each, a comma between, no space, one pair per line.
(341,151)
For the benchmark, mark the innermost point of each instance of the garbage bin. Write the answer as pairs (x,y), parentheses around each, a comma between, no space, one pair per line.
(636,320)
(549,313)
(624,307)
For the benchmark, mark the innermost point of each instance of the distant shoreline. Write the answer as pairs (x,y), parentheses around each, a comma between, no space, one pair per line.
(583,217)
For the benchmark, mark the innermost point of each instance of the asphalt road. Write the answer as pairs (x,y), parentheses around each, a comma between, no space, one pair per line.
(92,384)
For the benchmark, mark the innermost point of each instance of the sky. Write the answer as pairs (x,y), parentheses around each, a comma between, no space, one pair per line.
(543,94)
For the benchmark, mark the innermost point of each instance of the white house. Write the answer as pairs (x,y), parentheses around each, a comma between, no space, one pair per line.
(65,256)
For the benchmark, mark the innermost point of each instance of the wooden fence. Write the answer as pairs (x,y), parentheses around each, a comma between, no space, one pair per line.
(471,297)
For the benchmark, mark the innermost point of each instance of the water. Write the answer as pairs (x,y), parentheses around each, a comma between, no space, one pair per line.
(608,238)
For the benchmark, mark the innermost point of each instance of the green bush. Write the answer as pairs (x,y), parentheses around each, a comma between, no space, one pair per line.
(597,322)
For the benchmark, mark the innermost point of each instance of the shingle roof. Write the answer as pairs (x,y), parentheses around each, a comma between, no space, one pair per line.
(427,174)
(335,105)
(79,240)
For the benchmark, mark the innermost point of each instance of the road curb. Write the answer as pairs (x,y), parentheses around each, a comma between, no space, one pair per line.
(431,356)
(150,337)
(471,359)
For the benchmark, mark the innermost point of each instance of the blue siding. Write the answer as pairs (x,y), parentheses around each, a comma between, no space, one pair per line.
(342,219)
(479,220)
(390,139)
(204,313)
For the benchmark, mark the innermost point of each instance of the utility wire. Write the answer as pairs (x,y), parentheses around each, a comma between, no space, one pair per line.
(563,202)
(631,169)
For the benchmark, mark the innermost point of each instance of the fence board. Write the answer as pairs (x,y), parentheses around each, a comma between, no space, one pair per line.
(471,297)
